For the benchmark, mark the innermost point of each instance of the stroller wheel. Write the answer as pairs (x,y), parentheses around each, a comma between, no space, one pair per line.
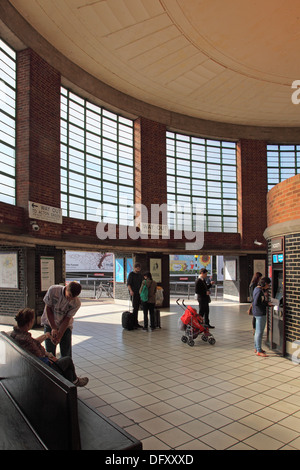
(184,339)
(191,342)
(204,338)
(211,340)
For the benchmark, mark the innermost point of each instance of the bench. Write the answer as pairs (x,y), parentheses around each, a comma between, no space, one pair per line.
(40,409)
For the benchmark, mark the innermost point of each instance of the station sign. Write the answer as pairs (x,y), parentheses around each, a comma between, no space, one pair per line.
(43,212)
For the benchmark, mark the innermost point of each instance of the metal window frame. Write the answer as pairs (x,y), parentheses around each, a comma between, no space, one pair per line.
(12,57)
(105,116)
(280,150)
(207,144)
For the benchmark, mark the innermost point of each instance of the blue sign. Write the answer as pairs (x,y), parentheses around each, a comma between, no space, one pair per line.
(278,258)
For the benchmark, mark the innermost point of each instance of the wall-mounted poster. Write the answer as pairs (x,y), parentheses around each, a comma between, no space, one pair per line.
(47,272)
(119,269)
(155,269)
(89,262)
(259,265)
(129,266)
(9,270)
(230,270)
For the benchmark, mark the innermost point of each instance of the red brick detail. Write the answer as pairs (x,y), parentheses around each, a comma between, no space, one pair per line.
(283,201)
(150,163)
(38,131)
(252,191)
(11,216)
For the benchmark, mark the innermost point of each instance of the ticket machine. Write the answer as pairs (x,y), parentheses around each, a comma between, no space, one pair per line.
(276,327)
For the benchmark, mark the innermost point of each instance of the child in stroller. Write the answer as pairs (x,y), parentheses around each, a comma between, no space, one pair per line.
(191,323)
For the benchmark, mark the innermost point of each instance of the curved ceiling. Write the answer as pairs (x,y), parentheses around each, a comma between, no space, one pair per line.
(231,61)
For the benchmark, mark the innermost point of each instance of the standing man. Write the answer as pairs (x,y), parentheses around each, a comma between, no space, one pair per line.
(203,295)
(61,304)
(134,282)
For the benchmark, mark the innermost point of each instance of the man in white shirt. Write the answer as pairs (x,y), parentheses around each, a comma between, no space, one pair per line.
(61,304)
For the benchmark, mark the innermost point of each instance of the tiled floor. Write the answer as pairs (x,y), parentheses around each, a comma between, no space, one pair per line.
(173,396)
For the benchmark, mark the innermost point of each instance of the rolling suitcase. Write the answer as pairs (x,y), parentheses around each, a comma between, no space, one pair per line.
(127,320)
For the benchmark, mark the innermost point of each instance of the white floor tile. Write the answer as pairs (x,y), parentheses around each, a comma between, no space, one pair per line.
(173,396)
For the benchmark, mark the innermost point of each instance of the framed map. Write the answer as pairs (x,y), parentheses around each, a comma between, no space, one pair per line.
(9,270)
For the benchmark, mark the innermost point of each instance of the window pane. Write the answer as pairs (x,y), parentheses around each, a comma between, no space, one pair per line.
(7,124)
(202,172)
(97,162)
(283,162)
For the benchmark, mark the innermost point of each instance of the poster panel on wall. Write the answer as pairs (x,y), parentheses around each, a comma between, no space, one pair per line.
(119,269)
(9,270)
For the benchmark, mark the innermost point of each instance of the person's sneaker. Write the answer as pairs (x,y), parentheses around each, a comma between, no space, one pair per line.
(261,353)
(81,381)
(145,329)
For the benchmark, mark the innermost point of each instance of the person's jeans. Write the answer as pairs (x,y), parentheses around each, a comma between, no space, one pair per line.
(136,300)
(147,306)
(65,343)
(65,367)
(259,331)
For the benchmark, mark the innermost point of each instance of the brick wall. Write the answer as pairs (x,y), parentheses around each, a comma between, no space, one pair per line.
(150,161)
(292,286)
(283,208)
(38,136)
(284,201)
(252,191)
(11,218)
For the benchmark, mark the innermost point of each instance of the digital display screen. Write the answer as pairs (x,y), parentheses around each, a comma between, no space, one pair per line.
(278,258)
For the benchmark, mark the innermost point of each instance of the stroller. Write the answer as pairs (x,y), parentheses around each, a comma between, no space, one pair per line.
(190,323)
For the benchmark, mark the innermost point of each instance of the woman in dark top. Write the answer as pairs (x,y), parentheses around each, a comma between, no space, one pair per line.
(254,282)
(20,333)
(259,307)
(149,305)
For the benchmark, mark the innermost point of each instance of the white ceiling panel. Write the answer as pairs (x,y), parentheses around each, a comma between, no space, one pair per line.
(232,61)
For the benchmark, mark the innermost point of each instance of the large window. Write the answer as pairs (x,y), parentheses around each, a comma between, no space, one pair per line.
(202,172)
(283,162)
(7,124)
(97,161)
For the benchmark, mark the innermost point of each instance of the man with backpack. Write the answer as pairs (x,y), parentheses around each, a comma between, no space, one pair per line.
(147,295)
